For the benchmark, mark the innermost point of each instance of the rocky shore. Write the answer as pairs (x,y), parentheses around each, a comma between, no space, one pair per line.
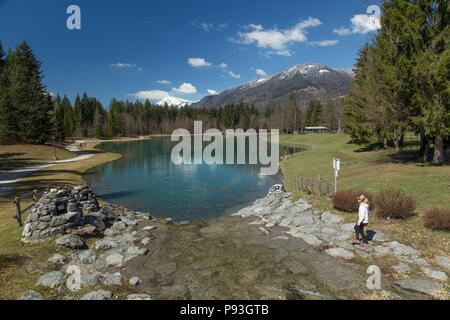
(274,249)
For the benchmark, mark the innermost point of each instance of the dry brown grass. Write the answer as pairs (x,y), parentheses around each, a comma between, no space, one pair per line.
(437,219)
(394,204)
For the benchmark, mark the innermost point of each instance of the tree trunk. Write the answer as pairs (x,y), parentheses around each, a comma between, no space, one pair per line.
(438,150)
(385,143)
(398,138)
(424,148)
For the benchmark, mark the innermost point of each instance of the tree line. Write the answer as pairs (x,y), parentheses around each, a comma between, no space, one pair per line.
(402,79)
(30,114)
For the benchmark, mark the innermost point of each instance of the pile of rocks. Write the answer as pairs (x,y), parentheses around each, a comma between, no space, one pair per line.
(122,236)
(60,210)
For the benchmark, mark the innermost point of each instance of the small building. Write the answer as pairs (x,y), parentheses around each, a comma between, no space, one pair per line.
(316,130)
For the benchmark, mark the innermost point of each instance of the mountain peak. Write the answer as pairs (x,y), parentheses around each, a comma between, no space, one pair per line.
(175,102)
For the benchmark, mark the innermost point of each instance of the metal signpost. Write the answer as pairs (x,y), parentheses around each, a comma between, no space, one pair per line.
(336,168)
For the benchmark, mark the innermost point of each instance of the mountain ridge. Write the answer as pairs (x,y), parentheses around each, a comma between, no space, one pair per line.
(305,81)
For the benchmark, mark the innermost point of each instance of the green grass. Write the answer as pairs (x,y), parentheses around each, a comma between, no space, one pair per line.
(373,171)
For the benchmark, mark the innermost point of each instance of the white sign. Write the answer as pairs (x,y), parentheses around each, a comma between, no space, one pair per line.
(337,164)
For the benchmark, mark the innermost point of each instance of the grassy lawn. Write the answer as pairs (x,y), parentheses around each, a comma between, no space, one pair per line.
(373,171)
(20,264)
(17,156)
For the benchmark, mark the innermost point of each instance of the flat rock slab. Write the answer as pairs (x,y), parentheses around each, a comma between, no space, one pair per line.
(31,296)
(422,286)
(90,280)
(443,262)
(87,256)
(71,242)
(340,253)
(434,274)
(57,259)
(331,219)
(51,280)
(137,297)
(136,251)
(105,245)
(402,268)
(98,295)
(115,279)
(114,260)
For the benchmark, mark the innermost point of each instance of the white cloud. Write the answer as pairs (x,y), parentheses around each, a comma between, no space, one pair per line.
(261,72)
(186,88)
(208,27)
(122,65)
(223,65)
(198,63)
(323,43)
(212,92)
(163,82)
(276,39)
(360,23)
(234,75)
(150,95)
(342,31)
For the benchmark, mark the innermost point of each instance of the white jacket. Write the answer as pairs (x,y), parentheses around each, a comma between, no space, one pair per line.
(363,216)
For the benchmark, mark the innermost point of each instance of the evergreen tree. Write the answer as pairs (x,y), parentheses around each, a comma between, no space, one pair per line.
(28,97)
(8,113)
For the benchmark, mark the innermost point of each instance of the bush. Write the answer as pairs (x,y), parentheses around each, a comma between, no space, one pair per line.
(437,219)
(348,200)
(395,204)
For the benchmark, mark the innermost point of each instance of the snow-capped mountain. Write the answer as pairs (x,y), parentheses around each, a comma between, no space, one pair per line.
(174,102)
(306,81)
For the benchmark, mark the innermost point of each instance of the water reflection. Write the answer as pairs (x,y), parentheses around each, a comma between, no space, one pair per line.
(145,179)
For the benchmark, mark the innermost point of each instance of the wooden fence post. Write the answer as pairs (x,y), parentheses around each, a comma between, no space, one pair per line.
(320,186)
(328,187)
(18,211)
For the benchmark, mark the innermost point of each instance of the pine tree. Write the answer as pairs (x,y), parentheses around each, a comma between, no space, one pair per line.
(28,97)
(59,115)
(8,113)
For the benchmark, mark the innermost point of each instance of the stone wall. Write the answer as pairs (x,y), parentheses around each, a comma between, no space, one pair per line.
(58,211)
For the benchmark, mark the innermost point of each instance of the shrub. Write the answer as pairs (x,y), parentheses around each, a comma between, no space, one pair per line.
(437,219)
(347,200)
(395,204)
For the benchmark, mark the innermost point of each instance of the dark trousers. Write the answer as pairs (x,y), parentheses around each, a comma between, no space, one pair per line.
(359,231)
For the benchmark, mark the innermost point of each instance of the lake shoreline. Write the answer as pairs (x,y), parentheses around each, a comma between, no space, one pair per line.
(180,254)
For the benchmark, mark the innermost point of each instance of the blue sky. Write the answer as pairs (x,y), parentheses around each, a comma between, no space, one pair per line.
(125,49)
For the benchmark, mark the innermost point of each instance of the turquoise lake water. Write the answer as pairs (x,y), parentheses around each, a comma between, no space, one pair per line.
(145,179)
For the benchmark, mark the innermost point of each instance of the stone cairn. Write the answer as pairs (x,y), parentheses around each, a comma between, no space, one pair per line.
(60,211)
